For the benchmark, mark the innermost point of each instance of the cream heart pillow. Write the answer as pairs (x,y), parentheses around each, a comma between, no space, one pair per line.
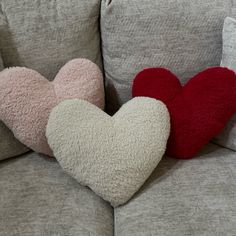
(111,155)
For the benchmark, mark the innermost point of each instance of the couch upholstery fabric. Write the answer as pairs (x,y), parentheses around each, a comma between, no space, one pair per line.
(194,197)
(44,34)
(183,36)
(38,198)
(228,137)
(9,145)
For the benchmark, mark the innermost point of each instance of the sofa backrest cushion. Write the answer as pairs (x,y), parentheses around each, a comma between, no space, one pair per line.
(44,35)
(228,137)
(183,36)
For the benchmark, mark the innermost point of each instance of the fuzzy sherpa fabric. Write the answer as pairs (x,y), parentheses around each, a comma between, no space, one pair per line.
(199,110)
(26,98)
(111,155)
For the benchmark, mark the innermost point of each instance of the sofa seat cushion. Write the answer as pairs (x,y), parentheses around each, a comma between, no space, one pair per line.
(38,198)
(194,197)
(9,145)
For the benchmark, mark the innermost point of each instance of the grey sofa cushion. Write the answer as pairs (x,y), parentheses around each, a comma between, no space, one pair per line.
(228,137)
(9,146)
(44,35)
(194,197)
(38,198)
(182,35)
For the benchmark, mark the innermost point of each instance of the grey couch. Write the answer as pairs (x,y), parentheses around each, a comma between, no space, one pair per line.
(195,197)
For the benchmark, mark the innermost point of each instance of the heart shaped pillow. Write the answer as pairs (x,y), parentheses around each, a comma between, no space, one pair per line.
(26,98)
(199,110)
(111,155)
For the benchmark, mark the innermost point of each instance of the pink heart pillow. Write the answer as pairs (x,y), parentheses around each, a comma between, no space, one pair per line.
(27,98)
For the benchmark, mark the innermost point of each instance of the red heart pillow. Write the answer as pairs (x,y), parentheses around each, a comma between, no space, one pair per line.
(199,110)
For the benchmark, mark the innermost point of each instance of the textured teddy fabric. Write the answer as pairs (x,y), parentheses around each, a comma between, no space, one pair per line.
(45,34)
(27,98)
(182,198)
(39,199)
(199,110)
(111,155)
(228,137)
(182,35)
(9,145)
